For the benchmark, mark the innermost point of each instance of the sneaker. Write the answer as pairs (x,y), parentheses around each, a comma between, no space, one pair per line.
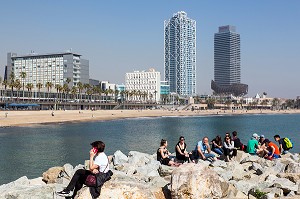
(65,193)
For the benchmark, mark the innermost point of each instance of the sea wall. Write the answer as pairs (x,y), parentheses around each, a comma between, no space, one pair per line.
(139,176)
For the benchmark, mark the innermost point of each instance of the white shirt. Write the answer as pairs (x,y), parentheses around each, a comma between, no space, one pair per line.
(102,161)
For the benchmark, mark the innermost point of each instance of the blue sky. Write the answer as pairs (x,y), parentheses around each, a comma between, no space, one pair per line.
(122,36)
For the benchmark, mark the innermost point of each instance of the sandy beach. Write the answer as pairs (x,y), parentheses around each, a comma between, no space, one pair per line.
(30,118)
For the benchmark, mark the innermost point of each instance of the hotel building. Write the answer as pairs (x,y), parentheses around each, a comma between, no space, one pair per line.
(144,81)
(55,68)
(180,54)
(227,62)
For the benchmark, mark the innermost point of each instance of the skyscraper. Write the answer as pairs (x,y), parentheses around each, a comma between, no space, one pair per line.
(180,54)
(227,62)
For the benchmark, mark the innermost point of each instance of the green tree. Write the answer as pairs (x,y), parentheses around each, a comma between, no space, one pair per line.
(74,92)
(18,86)
(5,84)
(29,87)
(12,82)
(66,90)
(211,103)
(23,76)
(80,88)
(49,86)
(39,86)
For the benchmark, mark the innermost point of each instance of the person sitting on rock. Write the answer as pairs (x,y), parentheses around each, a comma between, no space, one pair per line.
(203,151)
(229,149)
(98,163)
(261,151)
(181,153)
(272,150)
(252,145)
(282,144)
(163,154)
(216,145)
(237,142)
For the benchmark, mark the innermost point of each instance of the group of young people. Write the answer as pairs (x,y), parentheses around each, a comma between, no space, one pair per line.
(226,149)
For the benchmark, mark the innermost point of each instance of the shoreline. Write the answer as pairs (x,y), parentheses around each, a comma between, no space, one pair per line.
(36,118)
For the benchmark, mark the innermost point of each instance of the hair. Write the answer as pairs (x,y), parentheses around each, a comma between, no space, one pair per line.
(227,137)
(276,136)
(99,145)
(234,133)
(163,142)
(181,137)
(218,140)
(205,137)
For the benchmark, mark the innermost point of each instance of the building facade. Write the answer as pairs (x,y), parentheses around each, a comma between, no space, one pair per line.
(180,54)
(144,82)
(227,62)
(55,68)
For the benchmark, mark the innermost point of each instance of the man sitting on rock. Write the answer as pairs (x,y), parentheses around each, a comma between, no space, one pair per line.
(203,151)
(272,150)
(252,145)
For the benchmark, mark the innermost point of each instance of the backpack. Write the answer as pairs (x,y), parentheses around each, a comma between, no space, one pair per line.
(288,143)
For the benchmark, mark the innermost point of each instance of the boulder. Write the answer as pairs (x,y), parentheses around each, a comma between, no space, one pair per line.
(138,158)
(119,158)
(164,170)
(294,177)
(51,175)
(19,182)
(69,170)
(293,168)
(286,185)
(197,181)
(250,158)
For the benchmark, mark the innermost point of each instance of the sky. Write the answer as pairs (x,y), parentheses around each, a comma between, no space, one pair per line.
(123,36)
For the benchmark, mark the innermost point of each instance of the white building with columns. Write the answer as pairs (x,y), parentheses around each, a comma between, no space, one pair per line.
(145,85)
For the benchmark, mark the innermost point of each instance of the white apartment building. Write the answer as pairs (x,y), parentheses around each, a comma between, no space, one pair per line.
(144,82)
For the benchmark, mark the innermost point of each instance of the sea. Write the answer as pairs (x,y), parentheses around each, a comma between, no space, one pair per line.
(30,151)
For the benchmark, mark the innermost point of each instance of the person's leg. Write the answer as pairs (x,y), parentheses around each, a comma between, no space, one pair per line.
(285,152)
(218,151)
(78,180)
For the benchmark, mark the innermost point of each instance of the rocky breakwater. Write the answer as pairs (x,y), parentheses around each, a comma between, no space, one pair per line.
(139,175)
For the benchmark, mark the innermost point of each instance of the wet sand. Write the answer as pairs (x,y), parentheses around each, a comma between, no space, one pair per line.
(32,118)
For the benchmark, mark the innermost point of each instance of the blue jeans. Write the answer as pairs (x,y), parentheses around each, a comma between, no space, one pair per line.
(218,151)
(209,155)
(285,152)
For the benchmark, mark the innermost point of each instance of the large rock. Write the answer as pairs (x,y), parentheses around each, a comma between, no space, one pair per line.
(138,158)
(119,158)
(164,170)
(51,175)
(197,181)
(294,177)
(286,185)
(293,168)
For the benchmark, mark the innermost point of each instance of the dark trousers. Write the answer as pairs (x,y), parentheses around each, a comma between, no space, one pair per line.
(78,180)
(227,151)
(182,158)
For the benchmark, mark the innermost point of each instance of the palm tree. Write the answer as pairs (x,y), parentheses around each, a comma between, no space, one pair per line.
(86,88)
(39,86)
(66,90)
(74,91)
(23,76)
(290,103)
(49,86)
(116,94)
(18,86)
(12,82)
(5,84)
(155,95)
(211,103)
(275,103)
(29,87)
(58,89)
(80,88)
(228,103)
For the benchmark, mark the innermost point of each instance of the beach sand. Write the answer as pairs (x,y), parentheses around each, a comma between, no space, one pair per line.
(31,118)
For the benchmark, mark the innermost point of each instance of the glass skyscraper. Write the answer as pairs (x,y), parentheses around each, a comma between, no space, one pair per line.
(227,62)
(180,54)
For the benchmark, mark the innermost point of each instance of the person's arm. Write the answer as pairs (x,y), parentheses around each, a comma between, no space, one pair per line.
(225,145)
(200,152)
(208,148)
(280,148)
(163,155)
(92,165)
(273,151)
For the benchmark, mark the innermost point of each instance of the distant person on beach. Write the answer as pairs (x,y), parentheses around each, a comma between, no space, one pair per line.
(203,151)
(98,163)
(285,144)
(252,145)
(229,149)
(163,154)
(217,146)
(237,142)
(272,150)
(180,148)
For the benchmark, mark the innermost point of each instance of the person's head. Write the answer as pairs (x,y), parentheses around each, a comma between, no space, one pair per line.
(99,145)
(234,133)
(163,142)
(181,139)
(254,136)
(267,142)
(277,138)
(227,139)
(227,134)
(261,138)
(205,140)
(218,138)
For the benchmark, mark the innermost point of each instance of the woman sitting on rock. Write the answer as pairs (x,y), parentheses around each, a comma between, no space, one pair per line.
(216,145)
(98,163)
(229,149)
(181,153)
(163,154)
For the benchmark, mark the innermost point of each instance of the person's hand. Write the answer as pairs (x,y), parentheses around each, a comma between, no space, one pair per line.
(95,171)
(203,157)
(92,154)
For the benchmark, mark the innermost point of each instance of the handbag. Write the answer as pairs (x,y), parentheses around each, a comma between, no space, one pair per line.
(91,180)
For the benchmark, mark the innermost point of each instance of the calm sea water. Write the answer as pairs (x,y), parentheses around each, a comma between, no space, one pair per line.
(32,150)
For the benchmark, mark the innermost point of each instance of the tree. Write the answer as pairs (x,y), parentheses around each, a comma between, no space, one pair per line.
(275,103)
(228,103)
(211,103)
(39,86)
(80,88)
(290,103)
(116,93)
(58,89)
(23,76)
(29,87)
(49,86)
(66,90)
(12,82)
(86,88)
(74,91)
(18,86)
(5,84)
